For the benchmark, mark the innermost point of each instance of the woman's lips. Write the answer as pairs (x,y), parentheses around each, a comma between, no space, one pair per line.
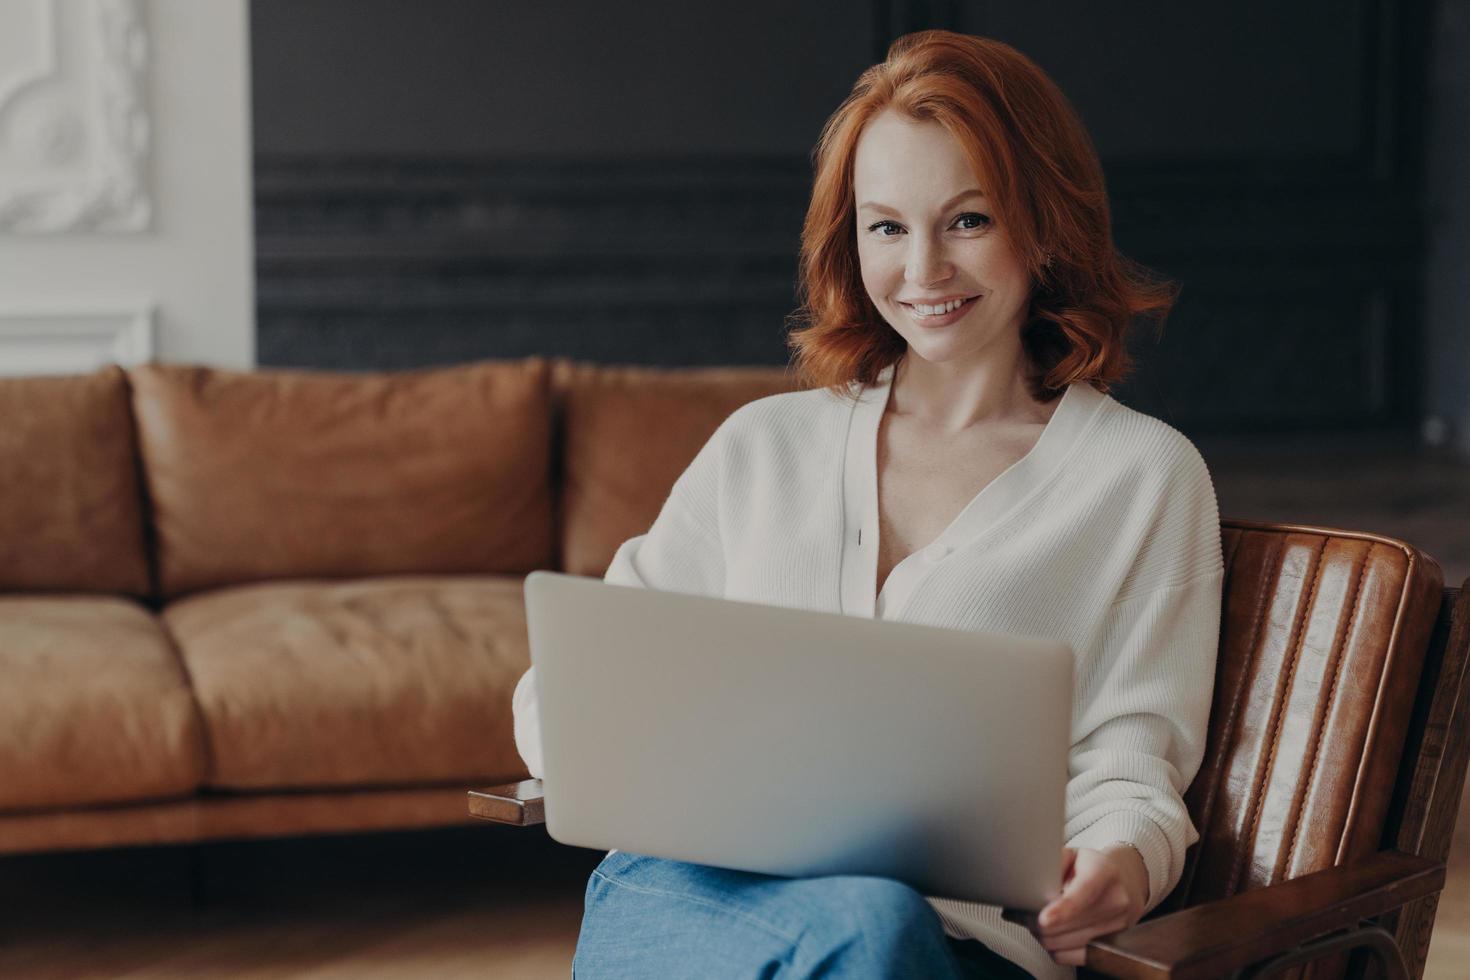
(943,319)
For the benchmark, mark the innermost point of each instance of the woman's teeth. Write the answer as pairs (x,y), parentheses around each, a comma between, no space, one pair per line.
(939,310)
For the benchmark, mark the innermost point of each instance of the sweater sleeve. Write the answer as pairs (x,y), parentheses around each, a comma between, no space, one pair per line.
(1144,689)
(681,552)
(1144,713)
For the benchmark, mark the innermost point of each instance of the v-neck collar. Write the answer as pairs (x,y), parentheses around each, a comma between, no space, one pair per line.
(1080,403)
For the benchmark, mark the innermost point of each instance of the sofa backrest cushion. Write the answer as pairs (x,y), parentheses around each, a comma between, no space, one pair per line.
(626,435)
(71,517)
(273,474)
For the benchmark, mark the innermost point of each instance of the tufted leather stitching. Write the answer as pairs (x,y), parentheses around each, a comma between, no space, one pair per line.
(1339,655)
(1252,705)
(1278,715)
(1227,732)
(1393,653)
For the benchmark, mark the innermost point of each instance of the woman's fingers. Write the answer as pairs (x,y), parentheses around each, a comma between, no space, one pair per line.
(1072,957)
(1091,880)
(1094,902)
(1081,937)
(1069,861)
(1111,904)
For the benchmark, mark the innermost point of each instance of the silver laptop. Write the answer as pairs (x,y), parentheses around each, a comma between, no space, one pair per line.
(801,743)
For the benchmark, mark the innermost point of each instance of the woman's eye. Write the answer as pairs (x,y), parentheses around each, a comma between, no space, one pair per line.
(981,221)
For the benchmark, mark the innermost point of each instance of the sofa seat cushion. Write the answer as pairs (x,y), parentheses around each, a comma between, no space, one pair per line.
(94,706)
(388,681)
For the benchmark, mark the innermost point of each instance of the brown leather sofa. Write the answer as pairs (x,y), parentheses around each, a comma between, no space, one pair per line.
(275,602)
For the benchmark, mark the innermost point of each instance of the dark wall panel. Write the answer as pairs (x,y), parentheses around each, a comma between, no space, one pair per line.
(574,78)
(405,263)
(452,180)
(1268,157)
(1155,79)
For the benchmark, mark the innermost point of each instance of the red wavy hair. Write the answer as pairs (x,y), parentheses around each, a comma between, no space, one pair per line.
(1031,153)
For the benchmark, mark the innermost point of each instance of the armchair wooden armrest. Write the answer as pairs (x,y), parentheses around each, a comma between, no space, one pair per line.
(1215,938)
(520,804)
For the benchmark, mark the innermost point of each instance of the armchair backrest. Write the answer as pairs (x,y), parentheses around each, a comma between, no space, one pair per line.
(1324,635)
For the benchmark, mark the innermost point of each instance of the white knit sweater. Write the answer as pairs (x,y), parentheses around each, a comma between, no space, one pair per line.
(1105,535)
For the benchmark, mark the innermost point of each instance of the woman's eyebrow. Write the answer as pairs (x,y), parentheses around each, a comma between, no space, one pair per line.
(972,192)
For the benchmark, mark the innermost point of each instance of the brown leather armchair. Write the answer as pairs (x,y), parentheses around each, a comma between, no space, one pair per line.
(1336,755)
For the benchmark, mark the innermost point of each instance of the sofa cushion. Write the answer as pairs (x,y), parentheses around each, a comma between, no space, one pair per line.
(377,682)
(276,474)
(70,511)
(94,706)
(627,434)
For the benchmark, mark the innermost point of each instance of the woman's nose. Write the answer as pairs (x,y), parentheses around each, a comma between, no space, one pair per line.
(927,264)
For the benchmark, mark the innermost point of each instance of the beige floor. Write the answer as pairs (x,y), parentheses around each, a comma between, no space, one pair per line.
(490,902)
(462,903)
(480,902)
(1449,948)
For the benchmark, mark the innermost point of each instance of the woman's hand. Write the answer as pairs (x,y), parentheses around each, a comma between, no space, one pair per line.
(1102,893)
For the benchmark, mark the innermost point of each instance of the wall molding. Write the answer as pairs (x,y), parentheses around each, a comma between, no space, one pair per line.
(386,262)
(1390,99)
(109,191)
(43,51)
(54,339)
(391,262)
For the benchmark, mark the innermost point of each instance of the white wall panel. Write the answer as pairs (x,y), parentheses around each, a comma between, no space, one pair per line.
(73,116)
(124,173)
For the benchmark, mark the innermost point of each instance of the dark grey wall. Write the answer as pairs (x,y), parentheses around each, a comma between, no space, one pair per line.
(1448,206)
(1155,79)
(576,78)
(447,180)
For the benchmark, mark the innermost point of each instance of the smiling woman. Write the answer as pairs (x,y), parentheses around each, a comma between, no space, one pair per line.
(956,462)
(959,151)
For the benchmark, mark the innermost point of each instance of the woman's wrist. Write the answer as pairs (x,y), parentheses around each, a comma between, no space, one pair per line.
(1137,870)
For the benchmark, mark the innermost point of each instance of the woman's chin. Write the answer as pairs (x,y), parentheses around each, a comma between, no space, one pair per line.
(936,350)
(952,345)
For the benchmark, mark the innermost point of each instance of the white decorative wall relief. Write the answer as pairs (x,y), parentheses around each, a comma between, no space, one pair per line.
(74,129)
(74,341)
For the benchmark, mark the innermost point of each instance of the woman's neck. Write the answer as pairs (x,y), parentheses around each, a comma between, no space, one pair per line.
(952,398)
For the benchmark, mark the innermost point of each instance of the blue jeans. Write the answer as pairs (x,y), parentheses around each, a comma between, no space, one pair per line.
(649,917)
